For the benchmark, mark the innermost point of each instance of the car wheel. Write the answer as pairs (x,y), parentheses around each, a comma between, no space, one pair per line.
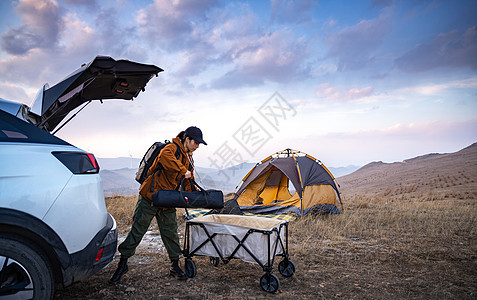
(24,272)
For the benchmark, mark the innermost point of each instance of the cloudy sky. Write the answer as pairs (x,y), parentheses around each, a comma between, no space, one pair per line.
(348,82)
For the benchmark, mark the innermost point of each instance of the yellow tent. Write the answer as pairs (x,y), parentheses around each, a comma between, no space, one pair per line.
(266,188)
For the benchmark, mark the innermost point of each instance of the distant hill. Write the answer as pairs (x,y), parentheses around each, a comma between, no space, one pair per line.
(119,182)
(341,171)
(226,179)
(118,175)
(118,163)
(422,176)
(416,177)
(122,181)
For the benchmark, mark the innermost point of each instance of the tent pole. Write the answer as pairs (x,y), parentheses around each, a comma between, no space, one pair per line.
(301,185)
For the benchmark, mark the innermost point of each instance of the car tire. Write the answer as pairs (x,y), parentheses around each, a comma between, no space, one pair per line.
(24,271)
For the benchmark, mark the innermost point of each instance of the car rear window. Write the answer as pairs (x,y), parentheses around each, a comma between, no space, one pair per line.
(12,129)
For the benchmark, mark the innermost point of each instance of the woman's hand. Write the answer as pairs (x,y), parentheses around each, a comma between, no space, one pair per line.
(188,174)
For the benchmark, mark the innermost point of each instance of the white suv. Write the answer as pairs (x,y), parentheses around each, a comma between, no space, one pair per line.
(54,226)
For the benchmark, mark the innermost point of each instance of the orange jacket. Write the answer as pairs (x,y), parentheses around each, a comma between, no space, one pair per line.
(172,170)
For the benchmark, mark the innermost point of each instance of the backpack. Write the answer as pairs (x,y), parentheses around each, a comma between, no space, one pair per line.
(148,159)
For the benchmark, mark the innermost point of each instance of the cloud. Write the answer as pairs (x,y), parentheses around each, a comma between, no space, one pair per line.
(450,49)
(436,89)
(77,45)
(226,43)
(291,11)
(42,27)
(114,38)
(185,33)
(24,70)
(326,91)
(277,57)
(77,41)
(235,79)
(91,5)
(173,24)
(194,61)
(382,3)
(13,93)
(354,46)
(66,43)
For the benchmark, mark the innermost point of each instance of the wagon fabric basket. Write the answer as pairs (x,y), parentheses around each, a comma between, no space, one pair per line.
(252,239)
(211,199)
(226,228)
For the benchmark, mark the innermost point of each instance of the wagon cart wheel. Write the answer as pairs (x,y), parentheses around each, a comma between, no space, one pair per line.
(214,261)
(269,282)
(190,268)
(287,268)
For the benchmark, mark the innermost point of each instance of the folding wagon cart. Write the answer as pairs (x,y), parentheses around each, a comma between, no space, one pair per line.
(249,238)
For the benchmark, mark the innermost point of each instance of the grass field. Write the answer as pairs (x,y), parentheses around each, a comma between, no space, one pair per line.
(424,248)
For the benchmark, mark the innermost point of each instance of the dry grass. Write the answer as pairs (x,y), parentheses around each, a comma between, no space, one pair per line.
(408,224)
(409,232)
(432,215)
(386,248)
(122,208)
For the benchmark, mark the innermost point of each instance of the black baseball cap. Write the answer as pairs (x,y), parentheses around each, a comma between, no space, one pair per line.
(196,134)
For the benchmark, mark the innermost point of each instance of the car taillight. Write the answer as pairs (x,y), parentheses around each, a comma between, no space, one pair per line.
(99,255)
(93,160)
(78,162)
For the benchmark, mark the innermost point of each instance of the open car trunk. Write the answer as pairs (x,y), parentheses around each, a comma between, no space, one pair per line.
(102,78)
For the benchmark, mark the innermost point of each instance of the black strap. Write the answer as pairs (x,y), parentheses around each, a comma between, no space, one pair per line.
(180,187)
(160,168)
(192,184)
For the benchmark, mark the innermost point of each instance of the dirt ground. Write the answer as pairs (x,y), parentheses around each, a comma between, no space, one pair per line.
(347,269)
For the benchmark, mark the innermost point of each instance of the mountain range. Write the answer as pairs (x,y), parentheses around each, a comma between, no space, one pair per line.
(427,176)
(118,175)
(418,176)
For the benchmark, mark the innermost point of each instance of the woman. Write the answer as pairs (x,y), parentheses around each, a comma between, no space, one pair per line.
(169,171)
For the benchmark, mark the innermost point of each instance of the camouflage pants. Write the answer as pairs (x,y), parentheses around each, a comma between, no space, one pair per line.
(166,221)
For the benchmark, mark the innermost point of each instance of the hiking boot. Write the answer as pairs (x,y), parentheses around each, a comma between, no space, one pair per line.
(176,271)
(122,268)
